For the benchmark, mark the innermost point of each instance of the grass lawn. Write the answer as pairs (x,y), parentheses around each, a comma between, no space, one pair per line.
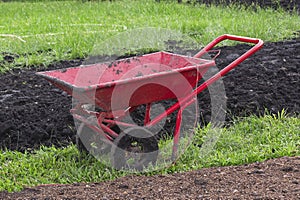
(43,32)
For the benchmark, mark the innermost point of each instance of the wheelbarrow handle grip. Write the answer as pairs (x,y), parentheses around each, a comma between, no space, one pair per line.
(258,42)
(258,45)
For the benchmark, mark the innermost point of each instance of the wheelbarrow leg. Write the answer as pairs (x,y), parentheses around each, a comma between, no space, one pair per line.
(147,118)
(176,135)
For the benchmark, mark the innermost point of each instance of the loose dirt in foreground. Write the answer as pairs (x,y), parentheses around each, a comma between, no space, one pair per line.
(273,179)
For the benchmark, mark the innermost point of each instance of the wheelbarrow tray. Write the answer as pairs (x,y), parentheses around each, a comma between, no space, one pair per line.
(147,78)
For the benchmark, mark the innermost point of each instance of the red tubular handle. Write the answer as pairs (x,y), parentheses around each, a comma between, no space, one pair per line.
(189,99)
(258,45)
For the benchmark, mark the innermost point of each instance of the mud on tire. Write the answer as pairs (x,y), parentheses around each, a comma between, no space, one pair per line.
(134,149)
(89,141)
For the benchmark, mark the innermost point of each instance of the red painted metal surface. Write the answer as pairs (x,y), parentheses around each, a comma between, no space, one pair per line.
(120,86)
(151,76)
(187,100)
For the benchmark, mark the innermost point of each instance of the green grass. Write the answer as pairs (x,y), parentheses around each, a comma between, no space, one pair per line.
(249,140)
(43,32)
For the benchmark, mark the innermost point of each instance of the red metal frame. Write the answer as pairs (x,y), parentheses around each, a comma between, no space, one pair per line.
(185,101)
(188,100)
(109,118)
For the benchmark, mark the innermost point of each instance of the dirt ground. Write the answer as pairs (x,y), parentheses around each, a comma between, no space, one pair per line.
(273,179)
(34,113)
(288,5)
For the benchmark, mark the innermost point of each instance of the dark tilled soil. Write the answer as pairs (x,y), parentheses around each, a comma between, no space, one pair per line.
(289,5)
(35,113)
(272,179)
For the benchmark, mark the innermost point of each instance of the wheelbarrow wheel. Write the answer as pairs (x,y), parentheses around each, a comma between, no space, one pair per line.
(134,149)
(89,141)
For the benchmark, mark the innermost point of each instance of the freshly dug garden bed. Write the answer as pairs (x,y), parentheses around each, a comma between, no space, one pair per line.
(34,113)
(289,5)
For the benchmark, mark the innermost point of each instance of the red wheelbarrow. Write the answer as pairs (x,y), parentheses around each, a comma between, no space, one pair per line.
(107,93)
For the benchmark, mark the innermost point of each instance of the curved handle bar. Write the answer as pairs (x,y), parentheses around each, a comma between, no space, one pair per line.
(258,45)
(189,99)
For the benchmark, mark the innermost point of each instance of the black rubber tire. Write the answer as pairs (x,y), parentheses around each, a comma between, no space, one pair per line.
(88,141)
(132,139)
